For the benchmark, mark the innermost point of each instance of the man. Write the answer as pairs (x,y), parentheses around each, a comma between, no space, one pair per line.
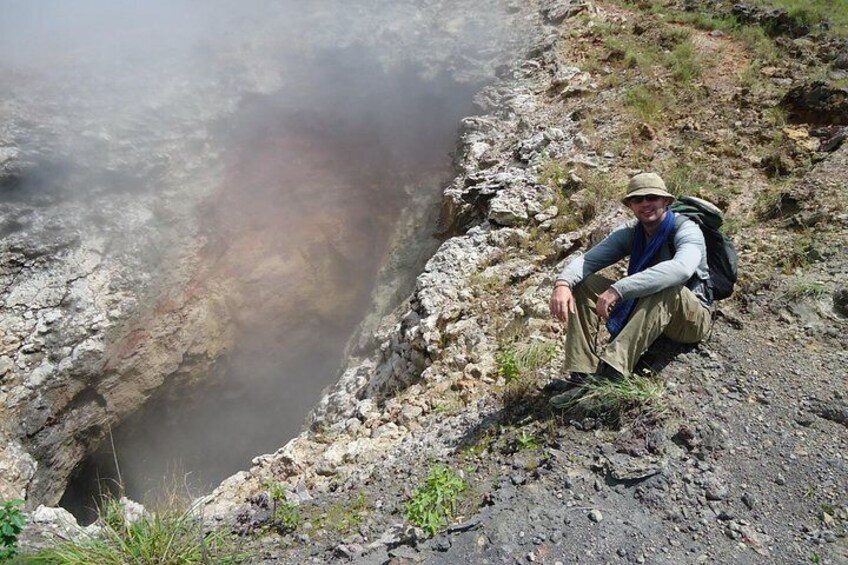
(666,291)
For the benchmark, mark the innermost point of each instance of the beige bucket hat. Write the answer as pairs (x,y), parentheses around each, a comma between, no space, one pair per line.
(646,184)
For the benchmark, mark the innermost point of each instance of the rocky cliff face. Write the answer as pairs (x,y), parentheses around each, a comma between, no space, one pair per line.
(105,290)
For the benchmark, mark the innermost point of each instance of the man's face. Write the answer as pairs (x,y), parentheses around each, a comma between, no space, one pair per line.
(648,209)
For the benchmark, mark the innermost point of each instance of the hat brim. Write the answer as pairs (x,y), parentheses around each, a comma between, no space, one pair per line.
(648,192)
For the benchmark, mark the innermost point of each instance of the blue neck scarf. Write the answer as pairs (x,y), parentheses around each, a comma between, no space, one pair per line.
(641,258)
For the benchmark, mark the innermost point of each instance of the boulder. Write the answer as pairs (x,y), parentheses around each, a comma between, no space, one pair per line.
(817,103)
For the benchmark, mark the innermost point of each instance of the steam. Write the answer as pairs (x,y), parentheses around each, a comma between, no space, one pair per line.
(293,133)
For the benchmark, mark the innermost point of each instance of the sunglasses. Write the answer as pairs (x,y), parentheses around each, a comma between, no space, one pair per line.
(639,199)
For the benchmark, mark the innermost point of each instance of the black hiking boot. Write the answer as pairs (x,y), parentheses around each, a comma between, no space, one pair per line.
(571,390)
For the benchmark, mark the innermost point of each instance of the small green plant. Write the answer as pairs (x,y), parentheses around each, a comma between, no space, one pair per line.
(815,558)
(527,441)
(434,505)
(616,400)
(508,365)
(285,514)
(805,289)
(168,537)
(12,521)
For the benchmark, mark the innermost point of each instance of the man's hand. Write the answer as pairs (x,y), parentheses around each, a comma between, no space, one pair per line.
(562,303)
(606,302)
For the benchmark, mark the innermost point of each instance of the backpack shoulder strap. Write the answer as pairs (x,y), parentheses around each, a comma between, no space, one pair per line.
(679,219)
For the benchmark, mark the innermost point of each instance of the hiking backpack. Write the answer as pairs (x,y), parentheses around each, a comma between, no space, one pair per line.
(721,255)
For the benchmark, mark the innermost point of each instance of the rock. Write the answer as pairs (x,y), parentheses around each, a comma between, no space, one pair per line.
(17,467)
(133,511)
(833,410)
(830,137)
(817,103)
(840,301)
(555,11)
(749,501)
(595,515)
(774,21)
(715,489)
(395,535)
(507,209)
(623,467)
(532,147)
(349,551)
(742,531)
(410,414)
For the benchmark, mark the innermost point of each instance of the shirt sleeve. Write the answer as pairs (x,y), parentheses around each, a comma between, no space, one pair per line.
(612,249)
(689,247)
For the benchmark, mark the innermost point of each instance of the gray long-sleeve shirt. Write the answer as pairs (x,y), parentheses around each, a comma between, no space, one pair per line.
(667,270)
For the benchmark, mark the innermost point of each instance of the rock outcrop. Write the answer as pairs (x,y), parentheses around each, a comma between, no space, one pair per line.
(102,279)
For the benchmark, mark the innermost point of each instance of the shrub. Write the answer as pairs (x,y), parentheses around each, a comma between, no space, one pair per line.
(12,521)
(434,505)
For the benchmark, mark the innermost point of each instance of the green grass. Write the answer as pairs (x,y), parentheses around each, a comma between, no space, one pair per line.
(514,363)
(629,398)
(805,289)
(343,518)
(647,103)
(520,368)
(684,63)
(12,521)
(166,538)
(434,504)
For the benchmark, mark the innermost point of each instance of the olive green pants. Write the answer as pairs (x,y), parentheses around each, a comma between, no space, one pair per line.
(674,312)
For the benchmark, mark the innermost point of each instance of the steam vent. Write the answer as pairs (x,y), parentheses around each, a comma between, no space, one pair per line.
(201,206)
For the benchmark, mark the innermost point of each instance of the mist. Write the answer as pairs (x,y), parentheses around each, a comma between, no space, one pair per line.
(284,139)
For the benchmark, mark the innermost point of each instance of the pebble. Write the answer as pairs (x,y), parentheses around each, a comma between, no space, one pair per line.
(595,515)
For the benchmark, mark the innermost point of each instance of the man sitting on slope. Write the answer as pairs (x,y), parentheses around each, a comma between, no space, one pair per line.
(666,290)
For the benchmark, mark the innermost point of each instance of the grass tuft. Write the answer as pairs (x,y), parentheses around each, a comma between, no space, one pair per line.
(806,289)
(631,397)
(514,363)
(166,538)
